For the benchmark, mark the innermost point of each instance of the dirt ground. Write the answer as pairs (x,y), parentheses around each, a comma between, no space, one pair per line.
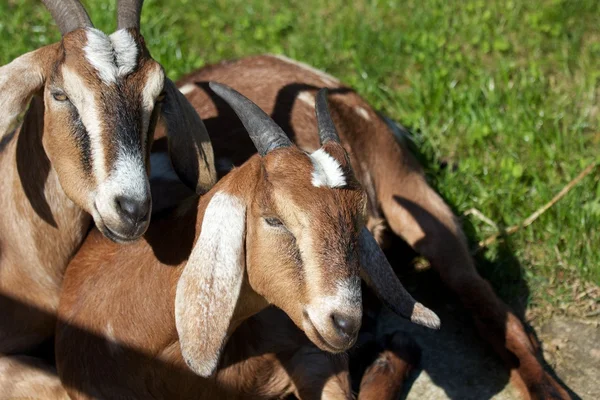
(457,364)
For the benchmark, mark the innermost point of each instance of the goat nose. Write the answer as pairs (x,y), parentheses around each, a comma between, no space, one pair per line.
(132,209)
(345,325)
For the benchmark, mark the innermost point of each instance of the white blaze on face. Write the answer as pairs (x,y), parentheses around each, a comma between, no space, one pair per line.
(347,300)
(112,56)
(327,170)
(86,102)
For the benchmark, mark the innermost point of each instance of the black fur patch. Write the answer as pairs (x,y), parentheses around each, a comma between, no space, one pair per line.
(82,138)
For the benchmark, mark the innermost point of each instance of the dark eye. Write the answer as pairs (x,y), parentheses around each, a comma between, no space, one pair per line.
(60,96)
(275,222)
(161,97)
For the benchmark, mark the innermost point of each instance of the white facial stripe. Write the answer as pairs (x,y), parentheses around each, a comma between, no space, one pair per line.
(112,57)
(347,296)
(346,300)
(84,99)
(327,170)
(325,77)
(126,51)
(128,177)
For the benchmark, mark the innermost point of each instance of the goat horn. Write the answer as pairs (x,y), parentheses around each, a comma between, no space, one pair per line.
(326,126)
(264,132)
(68,15)
(128,13)
(378,274)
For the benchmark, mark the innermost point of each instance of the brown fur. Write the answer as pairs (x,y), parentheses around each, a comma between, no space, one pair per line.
(47,187)
(398,191)
(175,306)
(117,306)
(384,378)
(23,377)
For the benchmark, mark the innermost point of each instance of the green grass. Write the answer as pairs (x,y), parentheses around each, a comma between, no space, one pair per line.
(504,93)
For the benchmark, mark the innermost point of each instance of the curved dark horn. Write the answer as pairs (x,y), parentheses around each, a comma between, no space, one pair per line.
(68,15)
(264,132)
(128,13)
(379,275)
(326,126)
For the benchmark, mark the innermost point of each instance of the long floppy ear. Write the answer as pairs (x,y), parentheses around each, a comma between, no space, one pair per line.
(19,81)
(378,274)
(190,148)
(209,287)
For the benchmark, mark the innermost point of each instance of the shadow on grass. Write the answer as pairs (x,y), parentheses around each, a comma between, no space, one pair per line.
(457,361)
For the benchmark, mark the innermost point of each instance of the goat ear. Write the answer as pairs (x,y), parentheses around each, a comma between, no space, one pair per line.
(209,287)
(190,148)
(19,81)
(379,275)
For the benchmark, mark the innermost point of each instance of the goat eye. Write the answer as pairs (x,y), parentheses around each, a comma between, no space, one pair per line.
(59,96)
(161,97)
(275,222)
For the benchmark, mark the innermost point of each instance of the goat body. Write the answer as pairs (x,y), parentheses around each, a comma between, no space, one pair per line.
(285,228)
(399,198)
(81,150)
(117,315)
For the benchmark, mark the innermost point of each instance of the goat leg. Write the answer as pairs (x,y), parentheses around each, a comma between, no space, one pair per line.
(417,214)
(384,378)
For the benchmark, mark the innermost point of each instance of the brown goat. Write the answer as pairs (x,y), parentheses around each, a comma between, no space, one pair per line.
(285,228)
(267,357)
(82,149)
(398,195)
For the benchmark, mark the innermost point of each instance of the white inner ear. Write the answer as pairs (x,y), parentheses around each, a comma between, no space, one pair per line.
(327,170)
(209,287)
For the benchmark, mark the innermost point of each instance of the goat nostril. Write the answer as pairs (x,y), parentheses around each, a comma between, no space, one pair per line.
(133,210)
(344,324)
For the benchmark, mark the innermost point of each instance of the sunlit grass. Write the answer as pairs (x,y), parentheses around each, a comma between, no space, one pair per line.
(502,97)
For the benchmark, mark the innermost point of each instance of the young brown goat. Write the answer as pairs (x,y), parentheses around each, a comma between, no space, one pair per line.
(286,228)
(399,197)
(82,149)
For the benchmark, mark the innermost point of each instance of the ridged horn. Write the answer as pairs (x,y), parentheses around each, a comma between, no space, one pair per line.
(326,126)
(264,132)
(68,15)
(129,13)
